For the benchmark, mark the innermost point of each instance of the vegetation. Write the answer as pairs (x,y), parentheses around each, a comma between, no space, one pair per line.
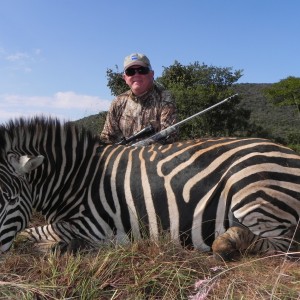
(198,86)
(279,123)
(286,93)
(145,270)
(93,123)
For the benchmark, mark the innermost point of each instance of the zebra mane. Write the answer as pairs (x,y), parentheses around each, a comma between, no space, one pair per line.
(20,128)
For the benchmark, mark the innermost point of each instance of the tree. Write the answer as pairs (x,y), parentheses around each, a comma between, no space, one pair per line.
(116,82)
(198,86)
(285,92)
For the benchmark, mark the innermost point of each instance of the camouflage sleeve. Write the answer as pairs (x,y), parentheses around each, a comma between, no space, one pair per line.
(111,133)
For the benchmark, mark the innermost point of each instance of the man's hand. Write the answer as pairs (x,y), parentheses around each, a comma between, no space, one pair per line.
(155,125)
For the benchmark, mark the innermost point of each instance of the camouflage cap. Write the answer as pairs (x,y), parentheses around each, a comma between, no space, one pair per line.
(136,59)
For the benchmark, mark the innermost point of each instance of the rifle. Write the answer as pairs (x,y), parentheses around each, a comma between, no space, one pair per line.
(145,131)
(163,134)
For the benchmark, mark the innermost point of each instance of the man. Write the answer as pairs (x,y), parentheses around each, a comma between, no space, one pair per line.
(144,104)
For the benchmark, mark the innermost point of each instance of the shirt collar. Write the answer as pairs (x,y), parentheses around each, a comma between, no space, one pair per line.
(142,97)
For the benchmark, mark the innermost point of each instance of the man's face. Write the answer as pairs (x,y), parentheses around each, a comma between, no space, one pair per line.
(139,82)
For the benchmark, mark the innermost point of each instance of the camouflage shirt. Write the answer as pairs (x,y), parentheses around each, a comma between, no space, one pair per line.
(129,114)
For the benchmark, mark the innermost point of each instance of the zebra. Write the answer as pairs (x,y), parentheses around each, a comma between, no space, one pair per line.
(226,195)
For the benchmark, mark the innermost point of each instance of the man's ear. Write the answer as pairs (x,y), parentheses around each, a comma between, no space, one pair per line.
(25,163)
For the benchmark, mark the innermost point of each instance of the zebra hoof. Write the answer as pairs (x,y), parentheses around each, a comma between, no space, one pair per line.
(225,250)
(77,245)
(228,246)
(72,247)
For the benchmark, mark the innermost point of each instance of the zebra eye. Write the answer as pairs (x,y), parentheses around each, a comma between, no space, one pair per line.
(11,199)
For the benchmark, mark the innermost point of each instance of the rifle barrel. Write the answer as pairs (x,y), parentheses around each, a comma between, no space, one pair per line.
(204,110)
(167,131)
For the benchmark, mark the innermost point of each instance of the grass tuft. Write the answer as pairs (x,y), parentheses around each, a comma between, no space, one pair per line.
(145,269)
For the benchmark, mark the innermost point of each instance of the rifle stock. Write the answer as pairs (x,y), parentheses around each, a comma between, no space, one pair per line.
(163,134)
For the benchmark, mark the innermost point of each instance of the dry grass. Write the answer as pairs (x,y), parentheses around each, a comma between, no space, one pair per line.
(145,270)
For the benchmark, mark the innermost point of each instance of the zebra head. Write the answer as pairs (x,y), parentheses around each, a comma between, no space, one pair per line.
(15,200)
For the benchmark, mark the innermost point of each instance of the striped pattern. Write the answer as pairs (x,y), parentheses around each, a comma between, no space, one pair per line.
(195,189)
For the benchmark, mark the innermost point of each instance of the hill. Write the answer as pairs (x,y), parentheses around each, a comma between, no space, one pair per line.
(93,123)
(280,123)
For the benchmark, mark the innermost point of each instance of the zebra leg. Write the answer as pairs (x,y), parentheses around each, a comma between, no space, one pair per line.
(237,240)
(48,237)
(58,237)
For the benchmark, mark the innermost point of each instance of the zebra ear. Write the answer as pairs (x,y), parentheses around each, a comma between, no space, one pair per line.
(25,164)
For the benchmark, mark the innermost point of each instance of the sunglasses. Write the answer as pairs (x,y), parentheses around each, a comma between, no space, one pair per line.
(140,70)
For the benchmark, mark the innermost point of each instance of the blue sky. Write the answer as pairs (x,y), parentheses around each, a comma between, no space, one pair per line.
(54,53)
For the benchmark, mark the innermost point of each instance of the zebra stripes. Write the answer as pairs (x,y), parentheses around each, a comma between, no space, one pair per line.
(195,189)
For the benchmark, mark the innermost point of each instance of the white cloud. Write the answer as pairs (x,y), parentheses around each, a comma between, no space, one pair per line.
(67,99)
(19,56)
(63,105)
(19,61)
